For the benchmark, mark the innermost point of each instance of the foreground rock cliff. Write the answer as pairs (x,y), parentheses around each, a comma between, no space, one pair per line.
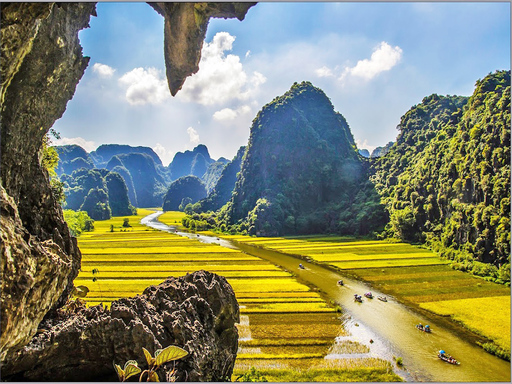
(196,312)
(41,65)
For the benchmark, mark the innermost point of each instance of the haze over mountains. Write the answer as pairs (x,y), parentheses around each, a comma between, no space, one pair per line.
(141,171)
(445,181)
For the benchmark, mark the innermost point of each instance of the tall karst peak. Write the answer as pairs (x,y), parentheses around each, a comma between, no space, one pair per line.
(301,161)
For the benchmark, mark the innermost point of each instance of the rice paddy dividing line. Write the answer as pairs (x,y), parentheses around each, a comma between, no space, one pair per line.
(181,268)
(157,250)
(389,263)
(145,275)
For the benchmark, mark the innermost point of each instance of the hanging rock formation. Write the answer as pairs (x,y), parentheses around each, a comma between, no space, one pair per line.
(41,65)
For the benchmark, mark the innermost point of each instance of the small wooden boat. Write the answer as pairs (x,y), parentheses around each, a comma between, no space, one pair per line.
(301,266)
(447,358)
(425,328)
(340,282)
(368,295)
(382,298)
(358,298)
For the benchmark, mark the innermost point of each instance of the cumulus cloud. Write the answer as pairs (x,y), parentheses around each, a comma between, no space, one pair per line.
(324,72)
(193,135)
(103,70)
(228,114)
(383,58)
(221,77)
(89,146)
(145,86)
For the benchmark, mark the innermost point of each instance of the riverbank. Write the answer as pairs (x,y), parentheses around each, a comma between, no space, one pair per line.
(415,277)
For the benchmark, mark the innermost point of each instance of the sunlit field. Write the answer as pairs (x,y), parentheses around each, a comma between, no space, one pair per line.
(286,328)
(489,316)
(412,274)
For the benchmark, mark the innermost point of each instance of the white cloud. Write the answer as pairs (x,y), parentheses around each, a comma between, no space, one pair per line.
(383,59)
(145,86)
(221,77)
(193,135)
(248,53)
(228,114)
(89,146)
(364,145)
(324,72)
(165,155)
(103,70)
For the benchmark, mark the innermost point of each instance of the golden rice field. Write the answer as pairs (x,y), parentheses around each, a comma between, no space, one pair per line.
(286,328)
(415,275)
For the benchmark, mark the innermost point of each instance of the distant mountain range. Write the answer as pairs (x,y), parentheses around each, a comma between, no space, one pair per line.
(146,178)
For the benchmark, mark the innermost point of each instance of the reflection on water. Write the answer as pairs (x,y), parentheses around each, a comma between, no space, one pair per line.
(390,325)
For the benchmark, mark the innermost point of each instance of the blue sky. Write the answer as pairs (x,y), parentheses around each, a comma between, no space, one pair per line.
(373,60)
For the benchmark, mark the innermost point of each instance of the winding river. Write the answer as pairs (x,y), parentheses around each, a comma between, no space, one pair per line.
(390,324)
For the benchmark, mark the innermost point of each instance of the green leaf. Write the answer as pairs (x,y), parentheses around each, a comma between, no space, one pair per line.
(130,362)
(150,359)
(120,372)
(153,376)
(131,369)
(170,353)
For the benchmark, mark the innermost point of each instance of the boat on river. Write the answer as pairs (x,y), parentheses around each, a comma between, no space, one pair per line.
(301,266)
(382,298)
(340,283)
(358,298)
(447,358)
(368,295)
(425,328)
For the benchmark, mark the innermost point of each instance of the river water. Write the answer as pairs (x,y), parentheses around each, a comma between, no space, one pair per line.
(390,324)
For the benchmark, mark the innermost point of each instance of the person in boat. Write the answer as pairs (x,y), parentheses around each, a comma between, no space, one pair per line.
(301,266)
(340,282)
(420,326)
(427,328)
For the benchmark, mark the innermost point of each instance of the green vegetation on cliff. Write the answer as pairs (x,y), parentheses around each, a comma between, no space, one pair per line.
(301,173)
(446,180)
(186,190)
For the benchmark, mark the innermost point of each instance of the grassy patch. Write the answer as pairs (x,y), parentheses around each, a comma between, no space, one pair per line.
(488,316)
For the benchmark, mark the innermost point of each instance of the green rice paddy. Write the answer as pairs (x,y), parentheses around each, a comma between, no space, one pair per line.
(286,328)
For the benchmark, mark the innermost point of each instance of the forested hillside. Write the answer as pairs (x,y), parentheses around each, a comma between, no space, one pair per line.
(148,181)
(98,192)
(301,173)
(71,158)
(224,186)
(446,180)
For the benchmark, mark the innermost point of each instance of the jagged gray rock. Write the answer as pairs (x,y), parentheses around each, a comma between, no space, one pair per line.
(196,312)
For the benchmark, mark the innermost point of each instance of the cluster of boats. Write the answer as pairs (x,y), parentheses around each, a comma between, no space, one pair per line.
(368,295)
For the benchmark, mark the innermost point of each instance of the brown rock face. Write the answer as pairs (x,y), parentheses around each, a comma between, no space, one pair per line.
(41,65)
(196,312)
